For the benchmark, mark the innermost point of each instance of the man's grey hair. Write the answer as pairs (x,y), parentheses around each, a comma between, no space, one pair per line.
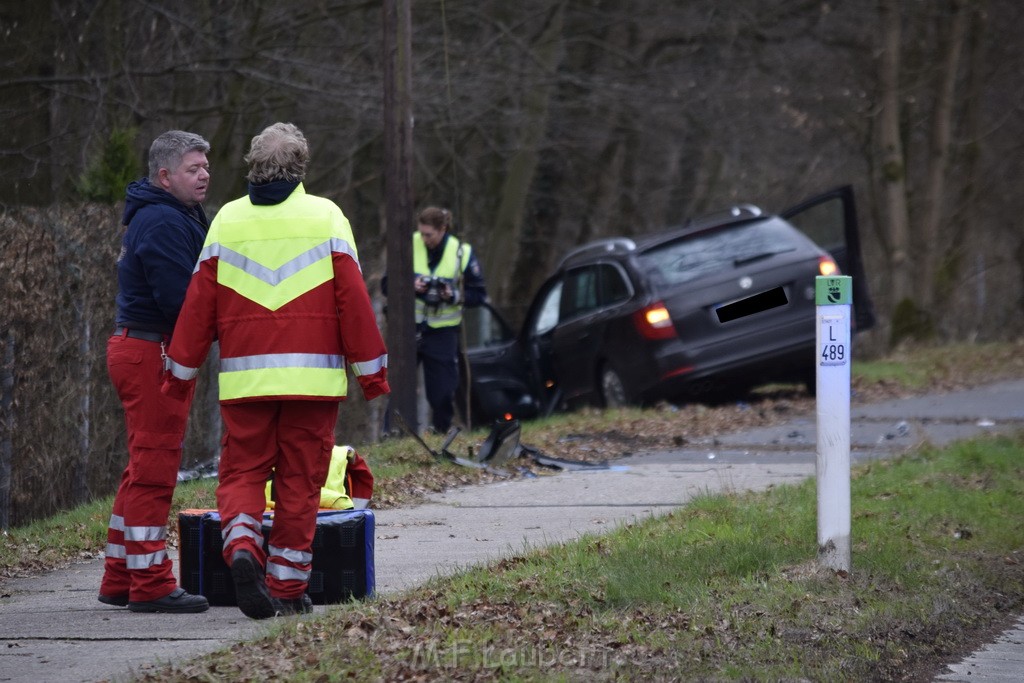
(280,152)
(169,148)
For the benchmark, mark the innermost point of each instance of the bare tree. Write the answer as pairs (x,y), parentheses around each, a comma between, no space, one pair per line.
(541,125)
(893,171)
(503,245)
(934,235)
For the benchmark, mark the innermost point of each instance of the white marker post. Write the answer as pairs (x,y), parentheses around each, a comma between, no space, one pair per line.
(833,297)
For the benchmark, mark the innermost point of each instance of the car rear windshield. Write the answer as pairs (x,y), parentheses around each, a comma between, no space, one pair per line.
(691,257)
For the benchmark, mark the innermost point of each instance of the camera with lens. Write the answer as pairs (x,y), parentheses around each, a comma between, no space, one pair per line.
(434,294)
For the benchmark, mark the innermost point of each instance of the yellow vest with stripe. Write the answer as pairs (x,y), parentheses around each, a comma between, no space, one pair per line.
(272,255)
(333,495)
(450,267)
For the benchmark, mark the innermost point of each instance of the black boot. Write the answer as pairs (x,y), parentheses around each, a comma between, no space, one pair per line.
(251,591)
(285,607)
(177,601)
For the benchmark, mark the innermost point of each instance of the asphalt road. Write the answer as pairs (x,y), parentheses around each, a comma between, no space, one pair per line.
(53,629)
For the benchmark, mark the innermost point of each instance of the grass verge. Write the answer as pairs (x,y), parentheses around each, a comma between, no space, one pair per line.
(726,588)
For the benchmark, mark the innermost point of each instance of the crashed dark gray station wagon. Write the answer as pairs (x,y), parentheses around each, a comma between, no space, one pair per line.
(710,309)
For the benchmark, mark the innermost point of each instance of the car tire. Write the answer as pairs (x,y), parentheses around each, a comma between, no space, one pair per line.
(613,391)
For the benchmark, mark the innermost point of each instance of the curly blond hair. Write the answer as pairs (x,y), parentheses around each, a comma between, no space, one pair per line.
(279,152)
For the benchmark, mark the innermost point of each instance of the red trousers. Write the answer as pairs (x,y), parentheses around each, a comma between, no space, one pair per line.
(136,562)
(293,440)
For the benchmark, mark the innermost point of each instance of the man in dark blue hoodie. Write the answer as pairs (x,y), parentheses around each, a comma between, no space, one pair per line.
(166,228)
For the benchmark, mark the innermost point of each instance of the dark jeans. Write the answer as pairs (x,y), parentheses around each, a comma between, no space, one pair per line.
(438,352)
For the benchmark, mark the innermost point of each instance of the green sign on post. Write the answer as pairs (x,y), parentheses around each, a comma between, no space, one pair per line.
(833,290)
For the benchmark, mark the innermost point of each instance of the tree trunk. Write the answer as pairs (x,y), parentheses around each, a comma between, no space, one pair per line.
(893,178)
(931,239)
(503,240)
(972,252)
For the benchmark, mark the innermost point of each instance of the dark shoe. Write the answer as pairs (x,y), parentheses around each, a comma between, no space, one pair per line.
(115,600)
(177,601)
(285,607)
(251,591)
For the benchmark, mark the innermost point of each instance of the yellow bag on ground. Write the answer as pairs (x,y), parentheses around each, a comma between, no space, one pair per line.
(349,482)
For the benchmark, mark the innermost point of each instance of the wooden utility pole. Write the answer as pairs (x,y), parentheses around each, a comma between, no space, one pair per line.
(401,325)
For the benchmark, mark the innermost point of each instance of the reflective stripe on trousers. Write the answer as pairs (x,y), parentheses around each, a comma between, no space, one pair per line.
(285,564)
(136,564)
(294,439)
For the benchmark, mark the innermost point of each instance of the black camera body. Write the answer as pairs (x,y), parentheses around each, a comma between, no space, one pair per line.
(435,290)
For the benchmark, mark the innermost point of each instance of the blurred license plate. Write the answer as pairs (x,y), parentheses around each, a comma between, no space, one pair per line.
(764,301)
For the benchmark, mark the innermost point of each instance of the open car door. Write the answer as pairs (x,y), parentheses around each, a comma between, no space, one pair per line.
(494,375)
(830,219)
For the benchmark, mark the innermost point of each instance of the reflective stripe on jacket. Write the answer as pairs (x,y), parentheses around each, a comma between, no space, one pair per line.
(280,287)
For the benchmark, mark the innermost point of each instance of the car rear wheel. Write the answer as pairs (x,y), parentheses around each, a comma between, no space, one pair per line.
(613,391)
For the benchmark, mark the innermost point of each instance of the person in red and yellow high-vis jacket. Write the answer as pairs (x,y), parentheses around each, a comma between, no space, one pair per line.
(278,284)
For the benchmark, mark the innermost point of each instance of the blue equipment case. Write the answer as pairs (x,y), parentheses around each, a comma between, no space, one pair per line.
(342,556)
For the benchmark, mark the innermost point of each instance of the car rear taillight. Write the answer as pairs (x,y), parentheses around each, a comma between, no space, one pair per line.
(654,322)
(827,266)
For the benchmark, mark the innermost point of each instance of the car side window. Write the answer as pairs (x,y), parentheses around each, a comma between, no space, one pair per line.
(581,292)
(591,288)
(547,315)
(614,288)
(483,328)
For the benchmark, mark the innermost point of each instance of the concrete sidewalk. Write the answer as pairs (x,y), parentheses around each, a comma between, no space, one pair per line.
(53,629)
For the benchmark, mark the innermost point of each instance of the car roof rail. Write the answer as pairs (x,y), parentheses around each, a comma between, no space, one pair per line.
(610,245)
(745,210)
(734,212)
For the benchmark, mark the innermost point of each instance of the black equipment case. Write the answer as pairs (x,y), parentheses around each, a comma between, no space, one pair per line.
(342,556)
